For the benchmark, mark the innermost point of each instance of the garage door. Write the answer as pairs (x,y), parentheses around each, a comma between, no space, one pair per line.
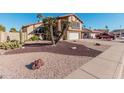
(73,36)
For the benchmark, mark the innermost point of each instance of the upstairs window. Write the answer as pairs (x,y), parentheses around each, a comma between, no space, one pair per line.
(75,25)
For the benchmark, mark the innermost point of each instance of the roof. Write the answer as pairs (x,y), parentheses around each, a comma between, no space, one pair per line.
(99,30)
(71,15)
(58,17)
(86,30)
(32,24)
(39,30)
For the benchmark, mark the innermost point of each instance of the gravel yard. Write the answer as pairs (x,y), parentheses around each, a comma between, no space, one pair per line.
(59,61)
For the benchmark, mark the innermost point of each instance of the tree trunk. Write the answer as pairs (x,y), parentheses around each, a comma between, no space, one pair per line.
(21,36)
(52,37)
(63,31)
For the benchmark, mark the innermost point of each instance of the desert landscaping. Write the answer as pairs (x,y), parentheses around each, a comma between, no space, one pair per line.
(59,61)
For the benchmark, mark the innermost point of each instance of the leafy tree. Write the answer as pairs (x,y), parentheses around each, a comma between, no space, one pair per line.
(13,30)
(2,28)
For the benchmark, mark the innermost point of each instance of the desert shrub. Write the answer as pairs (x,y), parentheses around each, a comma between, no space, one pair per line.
(33,38)
(14,41)
(10,45)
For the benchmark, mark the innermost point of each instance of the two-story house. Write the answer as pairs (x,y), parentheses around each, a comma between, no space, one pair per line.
(74,31)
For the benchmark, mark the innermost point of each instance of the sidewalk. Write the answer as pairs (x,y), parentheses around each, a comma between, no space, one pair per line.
(107,65)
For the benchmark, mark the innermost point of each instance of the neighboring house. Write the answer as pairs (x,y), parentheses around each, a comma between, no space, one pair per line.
(74,31)
(29,28)
(118,33)
(97,31)
(86,33)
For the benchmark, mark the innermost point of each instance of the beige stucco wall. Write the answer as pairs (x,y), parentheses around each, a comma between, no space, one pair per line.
(74,19)
(93,35)
(70,30)
(29,30)
(37,25)
(12,36)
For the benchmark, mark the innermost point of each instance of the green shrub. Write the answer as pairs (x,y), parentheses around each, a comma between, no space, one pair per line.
(33,38)
(10,45)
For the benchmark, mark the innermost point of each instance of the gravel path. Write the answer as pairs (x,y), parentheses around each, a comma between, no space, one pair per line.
(59,61)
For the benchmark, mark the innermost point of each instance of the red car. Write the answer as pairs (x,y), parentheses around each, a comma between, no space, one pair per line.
(105,36)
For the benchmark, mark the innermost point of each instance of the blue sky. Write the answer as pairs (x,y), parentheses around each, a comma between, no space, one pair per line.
(93,20)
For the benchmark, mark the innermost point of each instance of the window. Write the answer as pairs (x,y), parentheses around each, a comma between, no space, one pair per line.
(75,25)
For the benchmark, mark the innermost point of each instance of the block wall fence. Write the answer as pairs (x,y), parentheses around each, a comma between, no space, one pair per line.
(4,36)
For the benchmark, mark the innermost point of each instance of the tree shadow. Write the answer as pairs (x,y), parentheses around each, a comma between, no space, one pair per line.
(29,66)
(61,48)
(121,41)
(37,44)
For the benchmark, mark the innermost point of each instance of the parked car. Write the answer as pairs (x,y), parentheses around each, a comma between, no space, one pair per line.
(105,36)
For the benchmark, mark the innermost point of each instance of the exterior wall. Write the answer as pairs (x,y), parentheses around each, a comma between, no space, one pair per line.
(119,34)
(37,25)
(12,36)
(59,25)
(74,19)
(93,35)
(71,19)
(70,29)
(29,30)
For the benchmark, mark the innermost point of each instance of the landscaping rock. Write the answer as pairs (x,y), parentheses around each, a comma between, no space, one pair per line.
(73,48)
(74,41)
(37,64)
(22,47)
(97,44)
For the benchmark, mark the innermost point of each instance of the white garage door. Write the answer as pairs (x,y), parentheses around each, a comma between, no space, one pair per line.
(73,36)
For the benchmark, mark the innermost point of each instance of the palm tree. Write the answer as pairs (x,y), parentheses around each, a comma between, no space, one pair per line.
(39,16)
(20,34)
(106,27)
(50,24)
(64,27)
(84,26)
(13,30)
(2,28)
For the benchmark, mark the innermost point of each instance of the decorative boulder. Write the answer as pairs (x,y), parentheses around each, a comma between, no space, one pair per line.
(97,44)
(73,48)
(37,64)
(74,41)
